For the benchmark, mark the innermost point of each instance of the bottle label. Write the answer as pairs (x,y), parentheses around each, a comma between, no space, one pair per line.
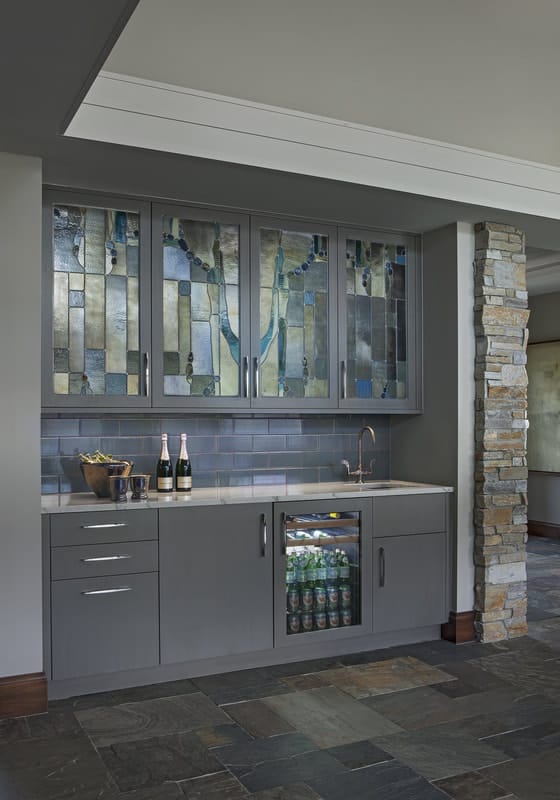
(184,482)
(344,571)
(165,484)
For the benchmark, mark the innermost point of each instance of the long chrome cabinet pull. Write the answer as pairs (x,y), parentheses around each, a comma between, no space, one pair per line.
(105,558)
(108,591)
(263,535)
(106,525)
(245,376)
(381,566)
(255,377)
(284,533)
(146,374)
(343,379)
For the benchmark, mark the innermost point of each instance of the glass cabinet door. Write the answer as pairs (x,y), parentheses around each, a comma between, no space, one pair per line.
(200,263)
(379,339)
(325,576)
(294,331)
(95,347)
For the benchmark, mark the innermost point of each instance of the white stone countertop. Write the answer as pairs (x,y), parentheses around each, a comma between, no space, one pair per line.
(87,501)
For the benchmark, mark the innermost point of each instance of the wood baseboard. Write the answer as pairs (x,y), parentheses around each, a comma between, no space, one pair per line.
(21,695)
(549,529)
(460,627)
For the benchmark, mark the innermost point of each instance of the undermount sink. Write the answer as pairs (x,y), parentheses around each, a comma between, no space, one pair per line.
(369,485)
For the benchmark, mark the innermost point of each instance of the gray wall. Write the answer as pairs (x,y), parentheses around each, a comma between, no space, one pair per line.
(20,334)
(439,444)
(224,451)
(544,488)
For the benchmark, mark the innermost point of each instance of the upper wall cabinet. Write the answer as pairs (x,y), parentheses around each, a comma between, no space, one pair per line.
(96,312)
(294,315)
(200,309)
(379,321)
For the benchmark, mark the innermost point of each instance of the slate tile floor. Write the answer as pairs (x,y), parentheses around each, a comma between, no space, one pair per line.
(429,721)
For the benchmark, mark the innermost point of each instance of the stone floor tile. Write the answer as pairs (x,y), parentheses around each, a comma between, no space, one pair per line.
(440,753)
(525,670)
(330,717)
(39,726)
(413,709)
(391,780)
(135,694)
(221,786)
(359,754)
(166,791)
(134,721)
(522,712)
(532,778)
(238,694)
(528,741)
(382,677)
(470,679)
(151,762)
(261,750)
(220,735)
(472,786)
(301,682)
(301,768)
(232,680)
(295,791)
(258,719)
(61,766)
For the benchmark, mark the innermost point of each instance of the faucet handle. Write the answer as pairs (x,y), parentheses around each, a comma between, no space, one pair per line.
(347,465)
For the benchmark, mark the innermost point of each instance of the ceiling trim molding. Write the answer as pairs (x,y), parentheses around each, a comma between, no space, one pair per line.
(157,116)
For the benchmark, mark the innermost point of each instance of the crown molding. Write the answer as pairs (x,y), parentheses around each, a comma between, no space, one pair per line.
(141,113)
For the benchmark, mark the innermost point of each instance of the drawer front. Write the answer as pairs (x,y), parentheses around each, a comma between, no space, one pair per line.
(97,527)
(104,624)
(413,513)
(91,560)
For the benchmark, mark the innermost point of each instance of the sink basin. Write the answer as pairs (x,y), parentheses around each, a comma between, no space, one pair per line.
(351,486)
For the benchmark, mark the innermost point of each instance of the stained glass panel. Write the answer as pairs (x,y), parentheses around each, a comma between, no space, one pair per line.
(95,301)
(200,308)
(293,314)
(376,309)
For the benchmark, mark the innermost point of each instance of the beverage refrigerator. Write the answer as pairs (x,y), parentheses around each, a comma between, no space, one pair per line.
(324,579)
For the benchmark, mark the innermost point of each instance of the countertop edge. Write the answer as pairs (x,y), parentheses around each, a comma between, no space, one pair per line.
(84,502)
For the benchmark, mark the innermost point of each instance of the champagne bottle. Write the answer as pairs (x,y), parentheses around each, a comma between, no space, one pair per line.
(164,470)
(183,470)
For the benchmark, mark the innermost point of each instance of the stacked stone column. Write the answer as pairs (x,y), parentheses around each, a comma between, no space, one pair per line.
(501,317)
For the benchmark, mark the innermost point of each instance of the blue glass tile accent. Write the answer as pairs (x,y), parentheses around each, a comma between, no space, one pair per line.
(115,383)
(309,298)
(94,361)
(185,288)
(364,388)
(76,299)
(132,257)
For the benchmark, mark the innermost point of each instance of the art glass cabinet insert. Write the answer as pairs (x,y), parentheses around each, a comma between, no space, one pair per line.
(97,351)
(292,338)
(199,282)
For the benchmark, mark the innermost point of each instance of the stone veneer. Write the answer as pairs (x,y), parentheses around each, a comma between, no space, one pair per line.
(501,317)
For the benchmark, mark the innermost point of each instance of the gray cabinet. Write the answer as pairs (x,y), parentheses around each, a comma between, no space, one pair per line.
(410,562)
(102,586)
(215,581)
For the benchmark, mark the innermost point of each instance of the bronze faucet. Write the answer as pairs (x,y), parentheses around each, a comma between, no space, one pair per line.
(359,472)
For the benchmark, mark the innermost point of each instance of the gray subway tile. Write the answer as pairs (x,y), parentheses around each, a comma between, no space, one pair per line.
(99,427)
(72,446)
(322,425)
(302,476)
(250,425)
(49,447)
(60,427)
(284,425)
(269,443)
(250,460)
(200,444)
(140,427)
(219,426)
(302,442)
(51,466)
(122,446)
(235,444)
(49,485)
(214,461)
(176,425)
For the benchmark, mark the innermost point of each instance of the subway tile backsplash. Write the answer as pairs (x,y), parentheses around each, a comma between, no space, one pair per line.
(224,451)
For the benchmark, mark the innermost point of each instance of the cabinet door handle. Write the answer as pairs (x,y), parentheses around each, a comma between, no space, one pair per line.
(256,377)
(105,525)
(263,535)
(146,374)
(284,533)
(382,566)
(245,376)
(105,558)
(108,591)
(343,379)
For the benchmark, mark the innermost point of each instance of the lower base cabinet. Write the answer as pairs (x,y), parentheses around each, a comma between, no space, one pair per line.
(216,595)
(409,580)
(104,624)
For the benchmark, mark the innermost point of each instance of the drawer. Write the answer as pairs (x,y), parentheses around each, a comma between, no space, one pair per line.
(97,527)
(412,513)
(91,560)
(104,625)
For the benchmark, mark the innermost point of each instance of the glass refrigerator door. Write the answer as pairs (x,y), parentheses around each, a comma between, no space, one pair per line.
(323,571)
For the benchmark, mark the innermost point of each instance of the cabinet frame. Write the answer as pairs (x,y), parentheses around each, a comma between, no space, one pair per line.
(59,402)
(364,507)
(188,402)
(414,400)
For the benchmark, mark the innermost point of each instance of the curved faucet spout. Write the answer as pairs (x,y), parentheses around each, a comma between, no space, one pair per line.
(359,470)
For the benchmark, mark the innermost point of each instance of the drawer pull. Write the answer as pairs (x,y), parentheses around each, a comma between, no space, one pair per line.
(263,535)
(104,558)
(382,566)
(105,525)
(109,591)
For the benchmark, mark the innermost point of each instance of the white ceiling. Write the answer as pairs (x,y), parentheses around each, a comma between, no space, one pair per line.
(482,74)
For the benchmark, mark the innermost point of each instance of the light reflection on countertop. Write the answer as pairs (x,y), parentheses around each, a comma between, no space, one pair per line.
(87,501)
